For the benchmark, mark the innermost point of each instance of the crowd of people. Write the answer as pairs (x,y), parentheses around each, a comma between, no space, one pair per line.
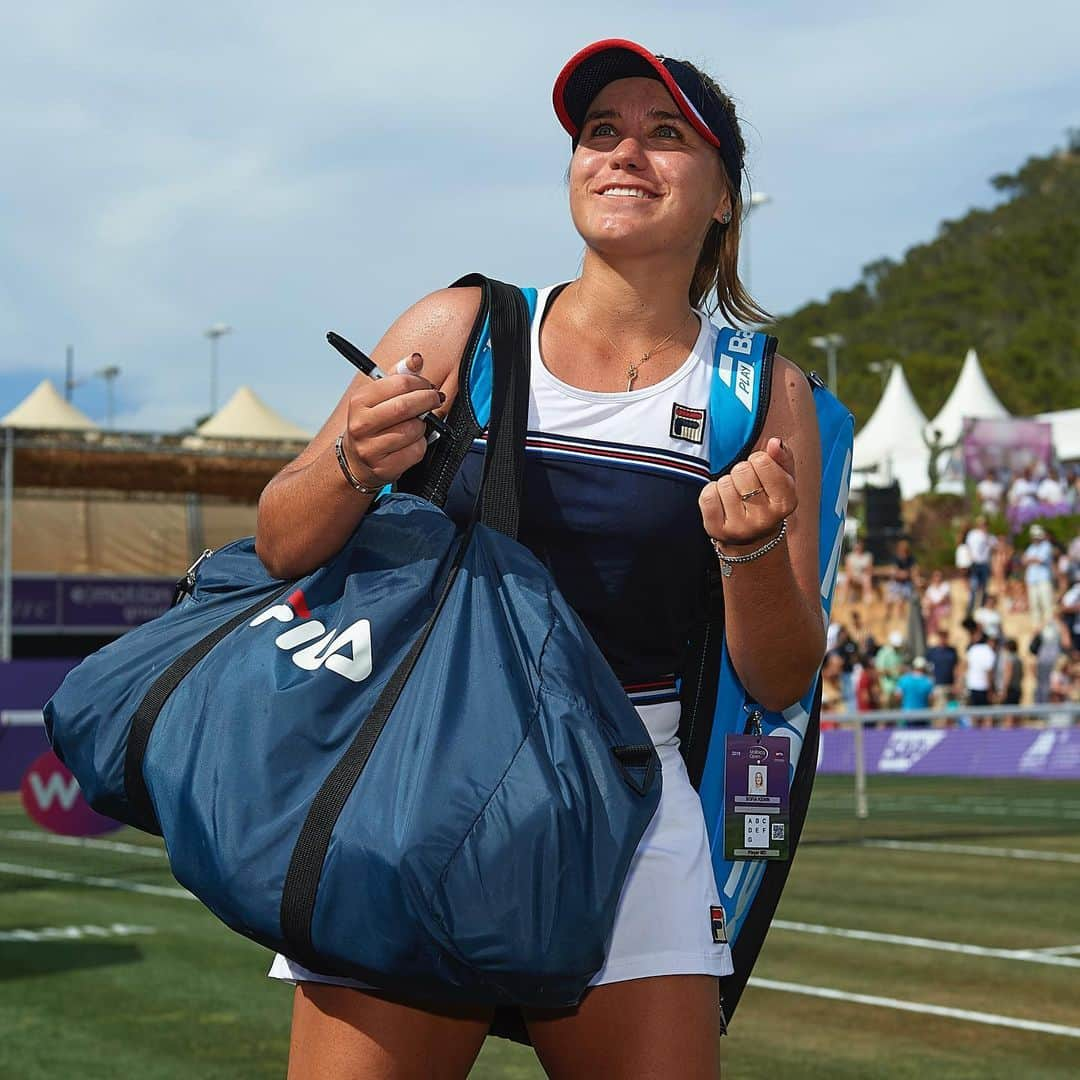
(999,627)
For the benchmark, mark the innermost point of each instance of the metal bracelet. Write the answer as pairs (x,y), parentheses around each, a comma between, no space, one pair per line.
(728,561)
(339,449)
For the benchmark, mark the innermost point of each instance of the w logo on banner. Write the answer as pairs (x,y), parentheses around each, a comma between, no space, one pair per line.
(56,788)
(53,798)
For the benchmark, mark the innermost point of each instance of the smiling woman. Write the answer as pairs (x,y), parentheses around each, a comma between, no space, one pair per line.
(652,432)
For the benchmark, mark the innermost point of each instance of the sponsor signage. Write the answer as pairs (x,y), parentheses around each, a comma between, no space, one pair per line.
(53,798)
(87,604)
(25,686)
(1035,753)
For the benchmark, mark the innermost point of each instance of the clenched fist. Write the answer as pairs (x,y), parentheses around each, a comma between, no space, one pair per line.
(746,507)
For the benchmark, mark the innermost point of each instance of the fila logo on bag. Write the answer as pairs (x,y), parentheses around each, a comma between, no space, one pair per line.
(346,652)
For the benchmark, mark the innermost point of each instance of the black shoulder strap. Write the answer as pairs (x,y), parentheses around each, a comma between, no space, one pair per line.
(504,462)
(431,479)
(497,507)
(701,674)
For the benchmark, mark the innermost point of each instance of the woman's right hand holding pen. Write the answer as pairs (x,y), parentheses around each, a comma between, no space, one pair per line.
(383,435)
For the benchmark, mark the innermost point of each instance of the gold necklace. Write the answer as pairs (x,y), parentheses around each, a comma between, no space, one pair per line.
(632,367)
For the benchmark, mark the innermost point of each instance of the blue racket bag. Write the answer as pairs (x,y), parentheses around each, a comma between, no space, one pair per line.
(412,766)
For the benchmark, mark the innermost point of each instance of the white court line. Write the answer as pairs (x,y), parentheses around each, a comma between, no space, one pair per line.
(84,842)
(1028,955)
(1051,956)
(975,849)
(883,806)
(99,882)
(73,933)
(919,1007)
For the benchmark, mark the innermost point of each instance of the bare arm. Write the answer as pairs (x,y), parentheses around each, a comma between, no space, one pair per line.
(308,511)
(773,617)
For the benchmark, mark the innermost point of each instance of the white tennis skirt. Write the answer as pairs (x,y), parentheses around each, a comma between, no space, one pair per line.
(663,925)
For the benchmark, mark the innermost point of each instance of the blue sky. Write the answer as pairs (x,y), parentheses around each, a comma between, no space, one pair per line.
(289,169)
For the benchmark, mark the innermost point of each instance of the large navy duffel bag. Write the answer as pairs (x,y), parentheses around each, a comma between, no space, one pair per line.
(411,767)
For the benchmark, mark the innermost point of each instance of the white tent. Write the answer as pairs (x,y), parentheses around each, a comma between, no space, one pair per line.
(44,407)
(971,396)
(1065,426)
(246,416)
(889,446)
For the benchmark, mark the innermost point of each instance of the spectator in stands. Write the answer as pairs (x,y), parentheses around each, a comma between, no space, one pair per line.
(943,660)
(867,689)
(1001,552)
(1016,590)
(1008,677)
(988,617)
(859,572)
(848,652)
(979,549)
(1046,647)
(889,662)
(1062,682)
(979,663)
(1038,576)
(1023,489)
(1070,611)
(832,691)
(1051,491)
(863,638)
(1073,551)
(914,688)
(991,492)
(903,582)
(937,602)
(962,558)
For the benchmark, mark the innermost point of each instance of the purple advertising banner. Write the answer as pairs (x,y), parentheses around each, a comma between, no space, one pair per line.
(87,604)
(1032,753)
(25,686)
(1015,445)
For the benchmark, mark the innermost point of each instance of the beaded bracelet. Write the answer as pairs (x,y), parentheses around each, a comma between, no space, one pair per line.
(728,561)
(339,449)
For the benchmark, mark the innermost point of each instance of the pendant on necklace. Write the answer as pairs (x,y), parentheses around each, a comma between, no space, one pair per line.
(632,370)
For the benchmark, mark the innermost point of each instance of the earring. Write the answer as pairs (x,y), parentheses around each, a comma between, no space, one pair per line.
(725,218)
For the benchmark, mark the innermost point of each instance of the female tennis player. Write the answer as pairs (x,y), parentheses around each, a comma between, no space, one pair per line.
(620,363)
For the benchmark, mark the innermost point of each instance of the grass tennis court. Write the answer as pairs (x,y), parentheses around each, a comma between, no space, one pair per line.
(954,895)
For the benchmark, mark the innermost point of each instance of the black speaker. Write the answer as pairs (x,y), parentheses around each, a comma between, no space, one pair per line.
(882,508)
(881,543)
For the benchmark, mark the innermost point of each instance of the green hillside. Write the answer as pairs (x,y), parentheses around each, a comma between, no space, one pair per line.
(1005,281)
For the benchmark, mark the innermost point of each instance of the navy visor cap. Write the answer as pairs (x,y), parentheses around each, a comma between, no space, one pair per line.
(589,71)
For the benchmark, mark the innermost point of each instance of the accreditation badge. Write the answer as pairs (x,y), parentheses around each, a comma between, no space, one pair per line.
(756,797)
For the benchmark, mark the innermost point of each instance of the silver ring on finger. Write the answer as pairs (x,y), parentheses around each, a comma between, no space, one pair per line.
(746,495)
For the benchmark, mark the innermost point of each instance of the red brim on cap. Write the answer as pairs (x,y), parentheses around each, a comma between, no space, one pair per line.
(568,108)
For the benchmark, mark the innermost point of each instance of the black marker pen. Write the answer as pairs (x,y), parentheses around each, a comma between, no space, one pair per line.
(435,426)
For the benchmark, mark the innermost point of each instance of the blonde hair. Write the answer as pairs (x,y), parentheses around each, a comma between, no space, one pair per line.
(715,285)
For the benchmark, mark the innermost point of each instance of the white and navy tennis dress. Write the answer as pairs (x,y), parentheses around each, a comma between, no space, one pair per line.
(611,507)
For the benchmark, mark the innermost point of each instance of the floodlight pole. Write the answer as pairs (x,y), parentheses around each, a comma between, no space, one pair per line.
(881,368)
(758,198)
(215,333)
(109,375)
(830,343)
(69,372)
